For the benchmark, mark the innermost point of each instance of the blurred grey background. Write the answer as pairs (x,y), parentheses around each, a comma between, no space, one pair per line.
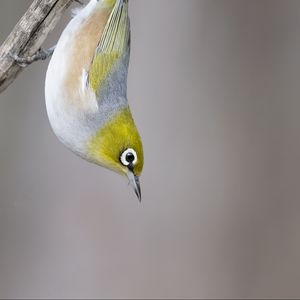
(214,87)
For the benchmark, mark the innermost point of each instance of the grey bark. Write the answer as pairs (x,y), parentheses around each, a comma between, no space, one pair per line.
(28,36)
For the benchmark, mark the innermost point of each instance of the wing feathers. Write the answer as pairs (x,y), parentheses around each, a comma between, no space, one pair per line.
(113,43)
(115,36)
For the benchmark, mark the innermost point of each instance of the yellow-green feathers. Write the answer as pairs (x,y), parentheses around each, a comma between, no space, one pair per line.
(118,134)
(108,3)
(113,44)
(100,69)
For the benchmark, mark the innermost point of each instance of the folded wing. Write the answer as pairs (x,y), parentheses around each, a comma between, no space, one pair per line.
(114,42)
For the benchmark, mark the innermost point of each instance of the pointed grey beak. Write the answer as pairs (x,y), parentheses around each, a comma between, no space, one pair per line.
(135,183)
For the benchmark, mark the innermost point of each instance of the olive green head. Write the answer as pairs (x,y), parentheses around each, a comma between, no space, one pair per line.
(117,146)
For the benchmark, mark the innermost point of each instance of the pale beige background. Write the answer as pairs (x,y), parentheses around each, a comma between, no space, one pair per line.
(214,87)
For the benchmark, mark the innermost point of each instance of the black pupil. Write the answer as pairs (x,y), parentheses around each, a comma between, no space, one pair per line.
(129,157)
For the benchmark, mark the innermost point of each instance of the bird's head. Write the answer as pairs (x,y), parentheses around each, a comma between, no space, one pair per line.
(117,146)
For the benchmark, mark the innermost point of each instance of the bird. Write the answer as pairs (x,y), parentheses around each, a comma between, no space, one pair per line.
(86,90)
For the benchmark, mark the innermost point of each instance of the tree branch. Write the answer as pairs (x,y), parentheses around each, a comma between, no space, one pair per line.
(28,36)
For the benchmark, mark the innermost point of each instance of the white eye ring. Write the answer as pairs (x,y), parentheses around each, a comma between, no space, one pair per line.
(128,157)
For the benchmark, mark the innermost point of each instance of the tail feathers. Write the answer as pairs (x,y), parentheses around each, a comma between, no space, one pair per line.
(116,34)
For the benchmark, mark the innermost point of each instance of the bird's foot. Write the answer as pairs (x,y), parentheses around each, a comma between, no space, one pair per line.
(41,54)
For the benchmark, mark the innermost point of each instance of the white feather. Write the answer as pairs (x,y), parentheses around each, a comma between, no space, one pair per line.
(68,121)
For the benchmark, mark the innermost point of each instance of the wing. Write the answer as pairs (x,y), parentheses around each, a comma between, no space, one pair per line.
(114,42)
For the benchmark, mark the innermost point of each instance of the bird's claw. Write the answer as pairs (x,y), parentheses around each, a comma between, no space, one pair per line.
(41,54)
(17,59)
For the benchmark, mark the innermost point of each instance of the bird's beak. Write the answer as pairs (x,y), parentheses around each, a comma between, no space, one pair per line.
(135,183)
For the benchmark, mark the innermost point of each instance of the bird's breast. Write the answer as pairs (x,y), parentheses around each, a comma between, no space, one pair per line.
(71,107)
(68,68)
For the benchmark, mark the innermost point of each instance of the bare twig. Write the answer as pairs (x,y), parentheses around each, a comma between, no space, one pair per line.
(25,41)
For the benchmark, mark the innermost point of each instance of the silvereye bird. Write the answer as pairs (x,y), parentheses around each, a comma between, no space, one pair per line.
(86,90)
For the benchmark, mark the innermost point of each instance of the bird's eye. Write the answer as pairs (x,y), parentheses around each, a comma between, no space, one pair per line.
(128,157)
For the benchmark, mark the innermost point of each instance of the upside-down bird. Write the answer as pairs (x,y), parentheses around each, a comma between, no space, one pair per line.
(86,90)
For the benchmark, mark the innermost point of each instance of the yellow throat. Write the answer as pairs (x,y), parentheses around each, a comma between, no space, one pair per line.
(118,134)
